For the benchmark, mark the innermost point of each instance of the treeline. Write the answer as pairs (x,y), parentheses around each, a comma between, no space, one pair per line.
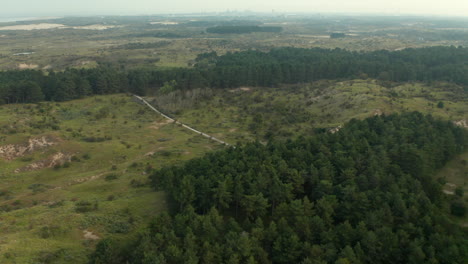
(294,65)
(242,29)
(142,45)
(250,68)
(31,86)
(365,194)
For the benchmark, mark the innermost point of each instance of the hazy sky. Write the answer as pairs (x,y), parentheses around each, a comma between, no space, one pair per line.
(14,8)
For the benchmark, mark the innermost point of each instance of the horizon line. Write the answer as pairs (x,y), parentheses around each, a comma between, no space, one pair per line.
(32,17)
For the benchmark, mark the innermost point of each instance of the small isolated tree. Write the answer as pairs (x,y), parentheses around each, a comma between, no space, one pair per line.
(440,104)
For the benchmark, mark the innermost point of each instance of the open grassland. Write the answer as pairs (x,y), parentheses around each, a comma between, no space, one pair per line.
(84,177)
(263,113)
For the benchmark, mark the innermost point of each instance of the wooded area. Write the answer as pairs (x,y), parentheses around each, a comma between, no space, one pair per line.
(249,68)
(365,194)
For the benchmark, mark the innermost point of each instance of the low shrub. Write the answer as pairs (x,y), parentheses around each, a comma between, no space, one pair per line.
(85,206)
(111,177)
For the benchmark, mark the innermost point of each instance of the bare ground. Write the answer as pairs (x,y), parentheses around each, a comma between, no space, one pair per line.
(90,235)
(157,125)
(12,151)
(58,158)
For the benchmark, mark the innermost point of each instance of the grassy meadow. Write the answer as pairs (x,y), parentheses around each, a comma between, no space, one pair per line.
(97,189)
(258,113)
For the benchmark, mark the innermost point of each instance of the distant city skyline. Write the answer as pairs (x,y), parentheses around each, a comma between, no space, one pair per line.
(38,8)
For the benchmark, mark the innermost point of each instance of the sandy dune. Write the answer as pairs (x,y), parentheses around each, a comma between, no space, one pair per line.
(33,26)
(95,27)
(23,66)
(52,26)
(164,23)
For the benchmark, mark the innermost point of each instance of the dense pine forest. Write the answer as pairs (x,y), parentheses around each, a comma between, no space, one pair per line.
(365,194)
(252,68)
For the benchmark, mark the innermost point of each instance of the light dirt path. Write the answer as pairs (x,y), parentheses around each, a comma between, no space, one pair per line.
(177,122)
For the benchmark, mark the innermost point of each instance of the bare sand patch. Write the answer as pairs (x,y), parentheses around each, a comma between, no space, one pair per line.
(52,26)
(158,125)
(377,112)
(149,154)
(164,23)
(241,89)
(24,66)
(58,158)
(24,53)
(449,188)
(12,151)
(90,235)
(85,62)
(336,129)
(95,27)
(33,26)
(461,123)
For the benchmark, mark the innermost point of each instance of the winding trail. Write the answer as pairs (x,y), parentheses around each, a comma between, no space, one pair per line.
(177,122)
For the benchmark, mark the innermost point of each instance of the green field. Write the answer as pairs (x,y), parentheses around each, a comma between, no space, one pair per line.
(41,215)
(297,109)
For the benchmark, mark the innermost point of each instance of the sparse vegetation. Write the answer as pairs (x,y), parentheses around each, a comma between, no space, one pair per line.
(64,197)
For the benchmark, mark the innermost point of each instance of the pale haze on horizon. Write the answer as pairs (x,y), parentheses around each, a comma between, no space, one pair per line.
(146,7)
